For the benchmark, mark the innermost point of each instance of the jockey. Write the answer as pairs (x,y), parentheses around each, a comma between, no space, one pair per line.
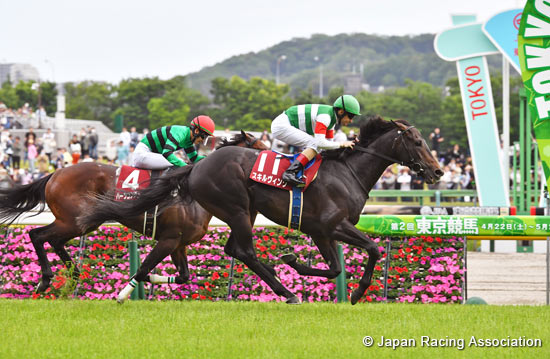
(312,127)
(156,150)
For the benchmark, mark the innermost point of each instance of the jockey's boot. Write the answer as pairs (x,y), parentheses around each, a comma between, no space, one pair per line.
(290,176)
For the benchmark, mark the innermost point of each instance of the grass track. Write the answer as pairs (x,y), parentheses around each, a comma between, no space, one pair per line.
(104,329)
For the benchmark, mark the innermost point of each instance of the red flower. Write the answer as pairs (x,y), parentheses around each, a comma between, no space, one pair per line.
(60,282)
(93,257)
(84,275)
(215,276)
(239,270)
(202,297)
(282,240)
(100,264)
(225,274)
(273,247)
(195,296)
(35,296)
(368,298)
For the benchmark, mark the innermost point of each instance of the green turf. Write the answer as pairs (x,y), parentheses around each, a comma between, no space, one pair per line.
(104,329)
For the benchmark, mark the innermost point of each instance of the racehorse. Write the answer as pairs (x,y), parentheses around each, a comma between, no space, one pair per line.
(331,205)
(67,193)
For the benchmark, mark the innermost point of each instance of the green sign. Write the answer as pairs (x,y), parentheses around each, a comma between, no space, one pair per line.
(408,225)
(534,57)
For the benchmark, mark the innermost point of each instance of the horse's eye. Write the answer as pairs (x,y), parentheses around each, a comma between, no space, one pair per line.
(418,143)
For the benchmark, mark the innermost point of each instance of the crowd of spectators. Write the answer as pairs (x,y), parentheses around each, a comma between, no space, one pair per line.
(23,117)
(24,159)
(456,165)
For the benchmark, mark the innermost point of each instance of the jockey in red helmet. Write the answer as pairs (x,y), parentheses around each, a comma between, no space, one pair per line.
(156,149)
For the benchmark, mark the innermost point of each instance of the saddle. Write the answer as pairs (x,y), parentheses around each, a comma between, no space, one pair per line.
(129,182)
(269,168)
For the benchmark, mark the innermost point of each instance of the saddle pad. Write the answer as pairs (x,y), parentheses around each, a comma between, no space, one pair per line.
(270,165)
(129,181)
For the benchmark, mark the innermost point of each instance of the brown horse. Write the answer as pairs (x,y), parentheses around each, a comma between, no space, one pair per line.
(331,205)
(67,193)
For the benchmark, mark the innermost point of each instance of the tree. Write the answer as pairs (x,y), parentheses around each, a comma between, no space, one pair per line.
(250,105)
(132,97)
(90,101)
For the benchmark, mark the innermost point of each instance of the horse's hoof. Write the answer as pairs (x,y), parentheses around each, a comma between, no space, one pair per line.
(293,300)
(42,286)
(355,296)
(289,258)
(120,300)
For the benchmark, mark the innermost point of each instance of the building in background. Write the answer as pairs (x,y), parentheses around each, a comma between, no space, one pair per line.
(18,72)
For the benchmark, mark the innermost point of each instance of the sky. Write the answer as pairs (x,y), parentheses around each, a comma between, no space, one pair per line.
(110,40)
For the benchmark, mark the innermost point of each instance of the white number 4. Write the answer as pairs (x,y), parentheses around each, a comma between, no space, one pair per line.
(132,180)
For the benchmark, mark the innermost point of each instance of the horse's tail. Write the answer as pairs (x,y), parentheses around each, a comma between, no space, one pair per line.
(159,192)
(18,200)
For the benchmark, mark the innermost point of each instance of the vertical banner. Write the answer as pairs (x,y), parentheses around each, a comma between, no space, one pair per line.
(468,45)
(479,112)
(534,55)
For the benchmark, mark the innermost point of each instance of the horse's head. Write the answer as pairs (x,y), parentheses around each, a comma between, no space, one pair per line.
(400,142)
(412,150)
(253,142)
(243,139)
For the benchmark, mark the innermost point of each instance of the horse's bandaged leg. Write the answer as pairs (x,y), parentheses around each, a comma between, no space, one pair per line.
(125,293)
(161,279)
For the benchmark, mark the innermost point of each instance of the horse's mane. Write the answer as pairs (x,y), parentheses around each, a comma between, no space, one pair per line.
(224,142)
(369,131)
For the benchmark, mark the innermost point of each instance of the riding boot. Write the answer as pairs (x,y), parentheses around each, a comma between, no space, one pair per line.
(290,176)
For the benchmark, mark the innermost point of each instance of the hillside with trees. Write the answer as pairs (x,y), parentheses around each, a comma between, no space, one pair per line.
(380,61)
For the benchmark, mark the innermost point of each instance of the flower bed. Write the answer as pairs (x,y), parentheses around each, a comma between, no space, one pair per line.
(422,269)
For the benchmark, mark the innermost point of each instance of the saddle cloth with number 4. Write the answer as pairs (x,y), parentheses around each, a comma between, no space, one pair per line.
(270,165)
(130,180)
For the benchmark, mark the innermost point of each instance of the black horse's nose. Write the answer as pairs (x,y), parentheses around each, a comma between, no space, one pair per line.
(438,173)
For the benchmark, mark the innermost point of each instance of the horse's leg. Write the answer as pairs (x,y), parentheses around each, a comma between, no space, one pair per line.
(179,258)
(58,244)
(38,240)
(327,248)
(57,234)
(162,249)
(239,246)
(269,267)
(348,233)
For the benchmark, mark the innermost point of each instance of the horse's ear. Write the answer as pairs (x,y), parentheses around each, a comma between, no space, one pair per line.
(243,133)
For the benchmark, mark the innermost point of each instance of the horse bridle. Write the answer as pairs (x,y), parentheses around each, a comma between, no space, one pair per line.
(250,143)
(414,165)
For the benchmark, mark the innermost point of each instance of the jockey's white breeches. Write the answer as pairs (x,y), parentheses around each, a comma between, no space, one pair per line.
(145,158)
(284,131)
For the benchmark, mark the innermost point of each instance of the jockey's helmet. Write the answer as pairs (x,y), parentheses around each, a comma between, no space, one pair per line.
(205,125)
(348,103)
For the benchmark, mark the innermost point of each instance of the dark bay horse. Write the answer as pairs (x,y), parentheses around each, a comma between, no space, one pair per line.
(67,193)
(331,205)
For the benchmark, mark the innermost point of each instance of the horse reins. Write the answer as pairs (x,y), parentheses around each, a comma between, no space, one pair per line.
(411,163)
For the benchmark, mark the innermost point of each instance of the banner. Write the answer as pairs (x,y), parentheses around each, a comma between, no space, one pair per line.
(534,55)
(454,225)
(468,45)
